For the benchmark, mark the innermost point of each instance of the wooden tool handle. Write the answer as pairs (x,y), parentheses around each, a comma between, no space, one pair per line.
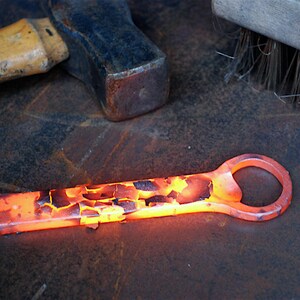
(29,46)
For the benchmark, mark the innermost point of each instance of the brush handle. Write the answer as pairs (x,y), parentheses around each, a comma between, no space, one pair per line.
(29,46)
(276,19)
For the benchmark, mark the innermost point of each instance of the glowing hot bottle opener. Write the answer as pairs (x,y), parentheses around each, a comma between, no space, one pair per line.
(215,191)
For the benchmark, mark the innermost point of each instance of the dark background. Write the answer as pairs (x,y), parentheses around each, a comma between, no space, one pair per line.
(53,135)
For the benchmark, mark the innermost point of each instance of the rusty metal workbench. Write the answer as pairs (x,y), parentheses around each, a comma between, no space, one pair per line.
(53,134)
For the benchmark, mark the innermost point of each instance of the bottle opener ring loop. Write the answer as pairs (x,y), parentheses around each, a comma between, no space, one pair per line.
(251,213)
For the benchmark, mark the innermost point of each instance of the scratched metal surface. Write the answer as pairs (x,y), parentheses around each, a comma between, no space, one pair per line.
(53,134)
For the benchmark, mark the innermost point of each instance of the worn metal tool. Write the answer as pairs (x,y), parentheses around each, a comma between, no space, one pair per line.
(125,70)
(216,191)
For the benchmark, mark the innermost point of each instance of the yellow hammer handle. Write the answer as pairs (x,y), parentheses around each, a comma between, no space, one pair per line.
(29,46)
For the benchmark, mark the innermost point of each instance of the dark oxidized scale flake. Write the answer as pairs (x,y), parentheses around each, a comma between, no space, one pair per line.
(43,200)
(156,199)
(60,201)
(129,206)
(145,185)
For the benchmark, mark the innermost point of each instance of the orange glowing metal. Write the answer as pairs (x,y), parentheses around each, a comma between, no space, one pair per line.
(215,191)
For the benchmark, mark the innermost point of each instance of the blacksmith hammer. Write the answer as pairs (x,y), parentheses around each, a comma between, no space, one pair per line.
(100,45)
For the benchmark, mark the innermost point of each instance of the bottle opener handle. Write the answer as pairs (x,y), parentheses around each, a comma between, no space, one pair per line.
(215,191)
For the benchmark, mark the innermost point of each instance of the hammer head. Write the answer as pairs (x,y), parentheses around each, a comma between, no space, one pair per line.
(125,70)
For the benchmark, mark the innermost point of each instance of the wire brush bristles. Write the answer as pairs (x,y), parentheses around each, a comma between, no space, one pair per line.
(269,63)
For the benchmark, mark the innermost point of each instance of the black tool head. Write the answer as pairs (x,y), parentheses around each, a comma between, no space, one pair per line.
(127,72)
